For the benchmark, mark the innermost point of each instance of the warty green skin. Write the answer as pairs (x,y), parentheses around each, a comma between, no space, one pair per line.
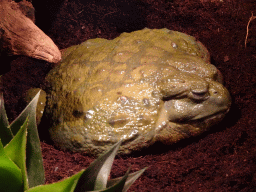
(141,87)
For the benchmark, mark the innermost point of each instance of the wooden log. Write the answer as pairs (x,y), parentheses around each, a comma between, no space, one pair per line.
(20,36)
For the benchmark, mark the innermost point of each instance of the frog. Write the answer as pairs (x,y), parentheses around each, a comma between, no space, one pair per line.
(143,87)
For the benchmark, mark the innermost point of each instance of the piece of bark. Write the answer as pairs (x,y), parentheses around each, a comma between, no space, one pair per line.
(20,36)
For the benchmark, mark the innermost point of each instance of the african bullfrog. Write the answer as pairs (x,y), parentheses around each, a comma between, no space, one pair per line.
(141,87)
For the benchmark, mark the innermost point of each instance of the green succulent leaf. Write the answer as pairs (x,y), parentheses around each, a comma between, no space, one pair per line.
(30,110)
(16,151)
(119,186)
(10,173)
(5,131)
(130,180)
(96,175)
(34,161)
(66,185)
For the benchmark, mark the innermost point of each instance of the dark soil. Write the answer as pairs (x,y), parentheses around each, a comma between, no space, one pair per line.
(223,159)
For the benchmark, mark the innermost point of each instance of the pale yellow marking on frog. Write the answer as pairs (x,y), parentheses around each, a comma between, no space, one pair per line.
(136,91)
(77,138)
(70,62)
(169,71)
(89,96)
(65,52)
(130,47)
(95,49)
(122,56)
(193,65)
(148,59)
(100,72)
(74,75)
(155,51)
(86,55)
(165,43)
(177,42)
(98,49)
(96,91)
(83,53)
(143,71)
(121,67)
(117,75)
(129,80)
(127,44)
(63,75)
(98,56)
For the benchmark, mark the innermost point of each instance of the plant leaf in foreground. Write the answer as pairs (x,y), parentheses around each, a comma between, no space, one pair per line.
(34,160)
(10,173)
(16,151)
(67,185)
(96,175)
(119,186)
(5,131)
(129,181)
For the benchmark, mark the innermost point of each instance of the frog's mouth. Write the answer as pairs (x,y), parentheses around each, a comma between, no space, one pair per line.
(207,121)
(213,117)
(182,111)
(170,132)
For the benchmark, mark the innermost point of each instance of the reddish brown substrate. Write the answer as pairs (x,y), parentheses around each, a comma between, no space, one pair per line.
(223,159)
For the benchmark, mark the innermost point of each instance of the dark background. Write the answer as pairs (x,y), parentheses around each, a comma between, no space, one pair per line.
(222,159)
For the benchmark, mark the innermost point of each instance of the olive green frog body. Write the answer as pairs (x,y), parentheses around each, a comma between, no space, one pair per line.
(141,87)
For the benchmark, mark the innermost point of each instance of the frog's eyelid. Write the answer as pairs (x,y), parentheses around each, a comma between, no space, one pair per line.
(199,95)
(200,92)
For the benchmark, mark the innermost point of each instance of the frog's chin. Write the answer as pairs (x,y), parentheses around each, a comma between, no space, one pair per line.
(206,121)
(184,111)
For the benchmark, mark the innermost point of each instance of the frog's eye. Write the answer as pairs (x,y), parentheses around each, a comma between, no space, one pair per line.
(198,95)
(199,90)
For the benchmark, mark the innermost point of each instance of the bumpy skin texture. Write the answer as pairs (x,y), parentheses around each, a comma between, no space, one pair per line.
(141,87)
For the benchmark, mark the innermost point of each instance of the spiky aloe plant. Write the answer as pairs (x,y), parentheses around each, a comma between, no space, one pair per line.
(21,164)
